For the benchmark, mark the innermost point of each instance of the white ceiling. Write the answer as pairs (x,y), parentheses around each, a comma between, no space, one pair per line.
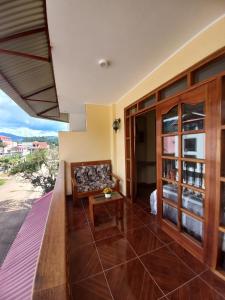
(135,35)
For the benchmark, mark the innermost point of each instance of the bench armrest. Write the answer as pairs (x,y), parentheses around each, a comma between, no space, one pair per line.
(115,176)
(74,182)
(117,179)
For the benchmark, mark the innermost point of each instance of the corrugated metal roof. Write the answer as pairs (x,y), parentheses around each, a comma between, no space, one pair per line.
(26,71)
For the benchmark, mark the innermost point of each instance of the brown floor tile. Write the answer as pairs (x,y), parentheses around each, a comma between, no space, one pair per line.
(130,281)
(160,234)
(195,290)
(94,288)
(78,206)
(129,222)
(101,215)
(80,237)
(145,217)
(132,208)
(85,202)
(105,231)
(168,271)
(84,262)
(142,203)
(114,250)
(189,259)
(213,280)
(143,240)
(77,220)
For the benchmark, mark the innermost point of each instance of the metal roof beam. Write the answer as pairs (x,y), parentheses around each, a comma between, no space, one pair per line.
(38,92)
(39,100)
(46,110)
(22,34)
(23,54)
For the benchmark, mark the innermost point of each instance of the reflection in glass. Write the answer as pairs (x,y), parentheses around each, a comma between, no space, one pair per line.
(194,174)
(170,145)
(147,102)
(170,213)
(193,116)
(222,197)
(193,145)
(170,169)
(222,251)
(170,191)
(170,121)
(192,226)
(192,201)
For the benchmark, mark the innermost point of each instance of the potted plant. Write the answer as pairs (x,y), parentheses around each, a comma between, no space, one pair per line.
(108,192)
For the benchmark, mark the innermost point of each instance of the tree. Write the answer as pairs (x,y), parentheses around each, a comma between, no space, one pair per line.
(2,146)
(40,168)
(8,162)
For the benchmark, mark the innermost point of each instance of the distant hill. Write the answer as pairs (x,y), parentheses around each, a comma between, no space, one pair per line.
(16,138)
(13,137)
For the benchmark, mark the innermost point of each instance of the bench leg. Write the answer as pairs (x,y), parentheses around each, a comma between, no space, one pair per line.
(91,212)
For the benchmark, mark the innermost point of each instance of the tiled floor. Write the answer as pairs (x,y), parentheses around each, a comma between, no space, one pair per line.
(132,259)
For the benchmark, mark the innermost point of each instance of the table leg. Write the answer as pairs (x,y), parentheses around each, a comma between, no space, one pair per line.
(119,211)
(121,208)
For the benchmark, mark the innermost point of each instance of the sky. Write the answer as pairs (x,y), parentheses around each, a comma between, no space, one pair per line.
(15,120)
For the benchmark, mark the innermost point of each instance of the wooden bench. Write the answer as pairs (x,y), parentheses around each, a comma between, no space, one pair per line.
(91,177)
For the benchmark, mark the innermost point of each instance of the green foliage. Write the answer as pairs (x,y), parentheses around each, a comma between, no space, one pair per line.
(49,139)
(2,181)
(8,162)
(39,167)
(30,163)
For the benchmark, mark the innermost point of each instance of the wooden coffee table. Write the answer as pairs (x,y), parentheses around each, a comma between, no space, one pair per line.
(100,199)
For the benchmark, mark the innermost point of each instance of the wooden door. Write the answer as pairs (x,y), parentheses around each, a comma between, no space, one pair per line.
(185,129)
(130,153)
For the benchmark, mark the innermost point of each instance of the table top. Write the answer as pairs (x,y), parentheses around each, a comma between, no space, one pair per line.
(100,198)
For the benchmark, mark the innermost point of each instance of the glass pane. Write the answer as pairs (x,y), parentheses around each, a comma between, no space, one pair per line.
(194,174)
(170,121)
(170,191)
(221,261)
(222,197)
(193,201)
(193,116)
(131,110)
(170,145)
(147,102)
(193,145)
(170,213)
(192,226)
(210,69)
(170,169)
(174,88)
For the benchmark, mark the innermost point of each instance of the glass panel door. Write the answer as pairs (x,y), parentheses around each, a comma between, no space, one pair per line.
(183,167)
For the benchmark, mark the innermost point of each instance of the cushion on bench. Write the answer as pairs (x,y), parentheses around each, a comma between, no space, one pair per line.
(85,174)
(95,185)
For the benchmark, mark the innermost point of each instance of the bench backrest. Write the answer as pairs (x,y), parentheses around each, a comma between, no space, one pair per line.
(91,170)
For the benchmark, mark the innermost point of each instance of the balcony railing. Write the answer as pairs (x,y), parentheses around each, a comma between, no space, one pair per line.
(51,276)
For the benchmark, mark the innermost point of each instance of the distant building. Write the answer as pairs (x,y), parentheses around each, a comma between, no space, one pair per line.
(40,145)
(6,140)
(8,144)
(24,148)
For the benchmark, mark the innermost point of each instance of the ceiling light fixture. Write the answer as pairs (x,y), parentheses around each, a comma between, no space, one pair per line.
(104,63)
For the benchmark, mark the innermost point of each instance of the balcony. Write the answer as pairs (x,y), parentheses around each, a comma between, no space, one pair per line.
(141,256)
(132,258)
